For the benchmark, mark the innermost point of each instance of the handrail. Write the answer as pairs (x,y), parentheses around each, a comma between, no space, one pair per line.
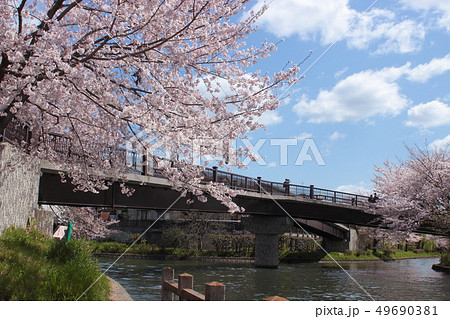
(60,143)
(183,288)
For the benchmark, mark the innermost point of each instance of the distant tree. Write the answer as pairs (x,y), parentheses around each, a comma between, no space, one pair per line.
(156,74)
(198,225)
(416,192)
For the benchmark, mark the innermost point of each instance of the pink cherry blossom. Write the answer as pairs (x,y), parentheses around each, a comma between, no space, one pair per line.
(416,191)
(103,73)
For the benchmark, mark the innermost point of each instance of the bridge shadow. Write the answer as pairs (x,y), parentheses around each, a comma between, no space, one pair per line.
(302,256)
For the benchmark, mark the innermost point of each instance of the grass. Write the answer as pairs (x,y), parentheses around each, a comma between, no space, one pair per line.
(35,267)
(412,254)
(367,255)
(288,256)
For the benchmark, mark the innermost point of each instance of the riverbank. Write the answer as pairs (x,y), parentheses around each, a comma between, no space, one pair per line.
(250,260)
(442,268)
(117,292)
(239,260)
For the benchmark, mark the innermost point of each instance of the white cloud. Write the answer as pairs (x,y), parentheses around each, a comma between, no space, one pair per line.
(443,143)
(423,72)
(337,136)
(431,114)
(440,7)
(272,164)
(326,21)
(369,93)
(306,19)
(304,136)
(360,188)
(339,73)
(270,118)
(379,25)
(357,97)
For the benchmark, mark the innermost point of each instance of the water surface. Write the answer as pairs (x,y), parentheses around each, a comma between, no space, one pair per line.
(397,280)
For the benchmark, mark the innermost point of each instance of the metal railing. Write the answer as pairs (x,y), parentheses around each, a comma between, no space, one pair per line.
(259,185)
(140,164)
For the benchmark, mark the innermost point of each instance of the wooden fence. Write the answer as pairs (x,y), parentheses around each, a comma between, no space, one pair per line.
(214,291)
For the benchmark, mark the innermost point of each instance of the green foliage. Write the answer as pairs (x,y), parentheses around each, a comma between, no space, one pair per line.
(143,249)
(174,237)
(108,247)
(348,252)
(233,245)
(445,259)
(34,267)
(133,237)
(355,255)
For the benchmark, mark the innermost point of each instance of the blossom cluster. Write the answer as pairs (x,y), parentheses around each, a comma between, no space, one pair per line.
(161,73)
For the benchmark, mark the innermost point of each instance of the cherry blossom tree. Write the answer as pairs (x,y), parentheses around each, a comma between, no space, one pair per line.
(90,77)
(86,222)
(415,193)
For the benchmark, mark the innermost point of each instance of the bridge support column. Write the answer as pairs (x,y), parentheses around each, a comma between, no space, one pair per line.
(341,245)
(266,230)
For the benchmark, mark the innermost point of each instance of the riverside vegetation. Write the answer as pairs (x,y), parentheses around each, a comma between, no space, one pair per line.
(36,267)
(291,249)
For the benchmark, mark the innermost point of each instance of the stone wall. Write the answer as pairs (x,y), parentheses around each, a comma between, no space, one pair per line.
(19,186)
(44,221)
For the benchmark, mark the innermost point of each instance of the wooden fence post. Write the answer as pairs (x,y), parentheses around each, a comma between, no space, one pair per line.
(275,298)
(167,275)
(214,291)
(185,281)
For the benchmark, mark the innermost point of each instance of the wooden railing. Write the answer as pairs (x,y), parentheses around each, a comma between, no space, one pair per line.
(214,291)
(183,288)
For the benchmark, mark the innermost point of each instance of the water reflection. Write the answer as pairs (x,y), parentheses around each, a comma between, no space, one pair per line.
(399,280)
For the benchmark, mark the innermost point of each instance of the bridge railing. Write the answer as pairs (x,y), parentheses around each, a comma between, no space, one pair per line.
(139,164)
(259,185)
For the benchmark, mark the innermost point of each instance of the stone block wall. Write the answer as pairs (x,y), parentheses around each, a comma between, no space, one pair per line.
(44,221)
(19,186)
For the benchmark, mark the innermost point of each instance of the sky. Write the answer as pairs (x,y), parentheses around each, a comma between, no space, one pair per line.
(377,79)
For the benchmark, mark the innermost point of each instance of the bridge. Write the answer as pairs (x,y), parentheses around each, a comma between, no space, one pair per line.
(321,211)
(325,212)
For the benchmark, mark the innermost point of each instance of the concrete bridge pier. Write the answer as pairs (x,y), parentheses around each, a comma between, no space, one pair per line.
(266,230)
(341,245)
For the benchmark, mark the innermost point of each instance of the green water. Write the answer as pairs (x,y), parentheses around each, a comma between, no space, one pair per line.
(398,280)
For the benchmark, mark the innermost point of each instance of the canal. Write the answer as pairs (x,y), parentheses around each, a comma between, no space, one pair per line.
(397,280)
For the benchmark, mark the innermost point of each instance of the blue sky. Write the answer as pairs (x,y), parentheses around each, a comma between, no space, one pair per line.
(386,83)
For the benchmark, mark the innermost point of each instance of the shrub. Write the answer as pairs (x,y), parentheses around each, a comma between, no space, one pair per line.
(233,245)
(173,237)
(143,248)
(110,247)
(348,252)
(389,252)
(445,259)
(34,267)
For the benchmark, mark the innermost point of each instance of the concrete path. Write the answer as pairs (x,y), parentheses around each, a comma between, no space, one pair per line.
(117,292)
